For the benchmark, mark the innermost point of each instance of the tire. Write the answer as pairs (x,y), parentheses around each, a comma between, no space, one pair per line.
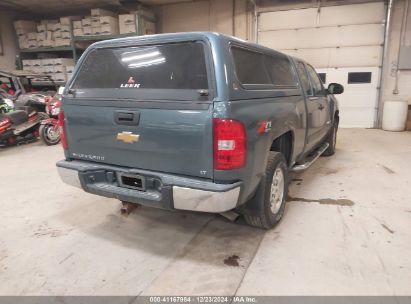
(269,208)
(46,137)
(331,139)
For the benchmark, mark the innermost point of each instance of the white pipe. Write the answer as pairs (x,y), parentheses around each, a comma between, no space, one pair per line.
(255,21)
(400,44)
(377,121)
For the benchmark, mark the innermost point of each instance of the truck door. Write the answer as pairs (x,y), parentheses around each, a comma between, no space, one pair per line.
(313,105)
(320,103)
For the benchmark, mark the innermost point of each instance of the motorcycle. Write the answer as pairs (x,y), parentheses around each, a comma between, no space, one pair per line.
(6,104)
(49,129)
(20,126)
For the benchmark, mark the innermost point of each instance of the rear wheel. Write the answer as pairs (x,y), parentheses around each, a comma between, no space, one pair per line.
(272,194)
(332,139)
(50,134)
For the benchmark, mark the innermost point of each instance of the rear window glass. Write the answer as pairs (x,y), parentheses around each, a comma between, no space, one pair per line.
(168,66)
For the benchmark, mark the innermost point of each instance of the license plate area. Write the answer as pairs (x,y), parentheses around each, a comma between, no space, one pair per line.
(131,181)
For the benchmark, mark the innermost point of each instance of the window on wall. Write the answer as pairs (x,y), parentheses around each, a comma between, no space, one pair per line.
(359,77)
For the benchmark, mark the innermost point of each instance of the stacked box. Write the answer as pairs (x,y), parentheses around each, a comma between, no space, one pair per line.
(129,23)
(24,27)
(98,12)
(109,25)
(57,68)
(68,19)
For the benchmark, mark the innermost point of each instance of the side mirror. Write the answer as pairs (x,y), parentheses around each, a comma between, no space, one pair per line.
(335,88)
(60,90)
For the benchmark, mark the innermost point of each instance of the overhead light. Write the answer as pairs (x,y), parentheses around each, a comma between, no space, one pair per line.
(147,63)
(141,56)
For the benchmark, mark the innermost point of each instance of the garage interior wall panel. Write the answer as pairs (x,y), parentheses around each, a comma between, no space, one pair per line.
(213,15)
(335,40)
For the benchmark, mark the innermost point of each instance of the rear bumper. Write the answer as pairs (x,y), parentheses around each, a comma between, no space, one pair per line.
(163,190)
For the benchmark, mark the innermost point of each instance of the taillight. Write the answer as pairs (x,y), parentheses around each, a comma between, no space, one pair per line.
(63,137)
(5,123)
(229,144)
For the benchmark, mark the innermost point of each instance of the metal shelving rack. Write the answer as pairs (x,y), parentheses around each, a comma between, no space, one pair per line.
(74,49)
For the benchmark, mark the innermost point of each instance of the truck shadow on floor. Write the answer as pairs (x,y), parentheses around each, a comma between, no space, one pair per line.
(208,238)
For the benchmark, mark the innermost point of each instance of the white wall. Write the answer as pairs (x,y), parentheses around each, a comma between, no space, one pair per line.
(404,77)
(231,17)
(7,60)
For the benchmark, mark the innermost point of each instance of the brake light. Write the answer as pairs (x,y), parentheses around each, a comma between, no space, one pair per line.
(5,124)
(62,127)
(229,144)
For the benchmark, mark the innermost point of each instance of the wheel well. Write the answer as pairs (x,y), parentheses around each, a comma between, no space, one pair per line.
(284,145)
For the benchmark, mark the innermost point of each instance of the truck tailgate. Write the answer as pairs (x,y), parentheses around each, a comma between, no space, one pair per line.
(173,141)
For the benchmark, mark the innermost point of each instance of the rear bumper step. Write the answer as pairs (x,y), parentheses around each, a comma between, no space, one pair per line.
(310,161)
(161,190)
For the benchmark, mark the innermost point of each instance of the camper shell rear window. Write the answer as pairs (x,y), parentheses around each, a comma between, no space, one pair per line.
(145,72)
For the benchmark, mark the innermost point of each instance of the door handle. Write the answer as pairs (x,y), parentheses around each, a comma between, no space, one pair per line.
(128,118)
(321,107)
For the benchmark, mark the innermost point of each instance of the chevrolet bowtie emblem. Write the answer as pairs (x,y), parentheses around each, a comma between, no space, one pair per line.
(128,137)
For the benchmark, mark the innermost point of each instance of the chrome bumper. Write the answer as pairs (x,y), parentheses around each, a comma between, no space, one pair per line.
(184,198)
(69,176)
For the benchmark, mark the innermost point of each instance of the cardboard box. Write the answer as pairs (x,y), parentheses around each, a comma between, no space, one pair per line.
(48,43)
(102,12)
(41,36)
(78,32)
(62,41)
(32,36)
(95,21)
(65,35)
(51,26)
(87,30)
(66,20)
(108,20)
(77,24)
(32,43)
(57,34)
(127,18)
(95,30)
(127,28)
(50,35)
(49,21)
(69,68)
(23,42)
(25,26)
(65,28)
(63,61)
(41,28)
(59,77)
(86,22)
(108,29)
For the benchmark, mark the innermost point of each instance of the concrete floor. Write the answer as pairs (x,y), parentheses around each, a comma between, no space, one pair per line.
(346,231)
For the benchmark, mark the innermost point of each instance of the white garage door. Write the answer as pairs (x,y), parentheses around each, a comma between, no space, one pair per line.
(345,42)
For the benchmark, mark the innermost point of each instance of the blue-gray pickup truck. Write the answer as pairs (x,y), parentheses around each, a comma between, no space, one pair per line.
(194,121)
